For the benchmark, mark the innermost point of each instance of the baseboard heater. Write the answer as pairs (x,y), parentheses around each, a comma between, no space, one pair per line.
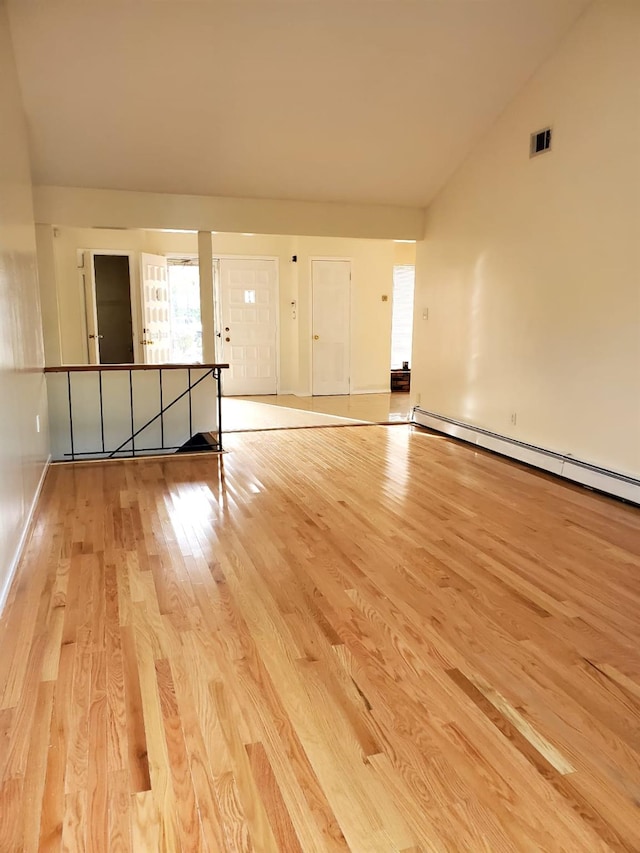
(562,465)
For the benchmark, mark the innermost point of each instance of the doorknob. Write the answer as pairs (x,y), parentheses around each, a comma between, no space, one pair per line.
(96,337)
(316,337)
(227,339)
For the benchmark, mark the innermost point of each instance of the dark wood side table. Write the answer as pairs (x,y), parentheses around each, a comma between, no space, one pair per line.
(401,380)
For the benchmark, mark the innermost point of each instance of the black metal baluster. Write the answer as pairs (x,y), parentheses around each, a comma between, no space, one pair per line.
(161,411)
(190,412)
(133,442)
(73,456)
(217,373)
(101,410)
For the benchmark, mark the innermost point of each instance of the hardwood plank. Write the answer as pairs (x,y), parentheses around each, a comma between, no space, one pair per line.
(188,818)
(52,809)
(138,760)
(117,734)
(75,826)
(12,821)
(285,834)
(97,777)
(35,772)
(119,812)
(146,829)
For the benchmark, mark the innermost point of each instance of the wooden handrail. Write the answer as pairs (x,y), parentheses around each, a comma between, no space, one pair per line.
(85,368)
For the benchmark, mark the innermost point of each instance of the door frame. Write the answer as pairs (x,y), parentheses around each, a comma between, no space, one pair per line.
(88,287)
(217,300)
(313,258)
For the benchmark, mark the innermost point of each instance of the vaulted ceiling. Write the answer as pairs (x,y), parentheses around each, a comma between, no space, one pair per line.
(328,100)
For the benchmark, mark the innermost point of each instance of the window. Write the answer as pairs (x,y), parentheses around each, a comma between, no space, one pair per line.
(402,315)
(186,324)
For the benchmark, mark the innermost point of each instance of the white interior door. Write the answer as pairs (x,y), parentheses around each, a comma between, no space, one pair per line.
(156,310)
(331,285)
(248,334)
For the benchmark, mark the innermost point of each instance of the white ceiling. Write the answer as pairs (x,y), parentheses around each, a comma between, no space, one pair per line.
(325,100)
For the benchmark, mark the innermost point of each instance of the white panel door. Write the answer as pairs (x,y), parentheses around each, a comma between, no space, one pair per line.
(331,285)
(248,300)
(156,309)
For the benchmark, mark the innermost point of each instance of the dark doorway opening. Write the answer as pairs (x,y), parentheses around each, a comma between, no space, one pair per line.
(113,309)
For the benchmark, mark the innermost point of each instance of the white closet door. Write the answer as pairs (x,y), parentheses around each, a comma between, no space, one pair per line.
(331,284)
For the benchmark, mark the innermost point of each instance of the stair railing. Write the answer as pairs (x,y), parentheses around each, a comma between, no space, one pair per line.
(103,416)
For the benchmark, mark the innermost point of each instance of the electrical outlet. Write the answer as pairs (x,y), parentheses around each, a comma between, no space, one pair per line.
(418,399)
(514,418)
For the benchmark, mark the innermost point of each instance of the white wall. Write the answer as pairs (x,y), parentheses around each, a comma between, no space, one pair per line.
(90,208)
(530,268)
(23,451)
(404,253)
(372,277)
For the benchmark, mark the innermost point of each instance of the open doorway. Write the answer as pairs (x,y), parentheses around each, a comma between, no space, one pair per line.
(111,338)
(184,301)
(402,326)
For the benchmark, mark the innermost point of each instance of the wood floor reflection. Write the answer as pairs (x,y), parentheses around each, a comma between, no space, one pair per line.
(366,639)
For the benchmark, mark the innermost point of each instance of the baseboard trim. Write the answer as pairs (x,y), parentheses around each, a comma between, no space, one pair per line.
(384,390)
(560,464)
(24,538)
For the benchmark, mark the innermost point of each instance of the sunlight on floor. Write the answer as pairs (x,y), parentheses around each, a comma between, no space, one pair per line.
(288,411)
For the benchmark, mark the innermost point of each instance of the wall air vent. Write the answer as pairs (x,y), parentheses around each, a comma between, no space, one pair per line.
(540,142)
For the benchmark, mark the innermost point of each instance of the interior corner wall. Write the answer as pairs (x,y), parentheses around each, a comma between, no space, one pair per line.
(23,450)
(528,279)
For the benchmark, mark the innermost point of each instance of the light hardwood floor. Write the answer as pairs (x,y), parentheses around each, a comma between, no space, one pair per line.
(374,408)
(240,415)
(366,639)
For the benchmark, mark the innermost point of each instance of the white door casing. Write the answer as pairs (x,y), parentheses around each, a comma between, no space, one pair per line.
(248,290)
(331,326)
(156,309)
(89,285)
